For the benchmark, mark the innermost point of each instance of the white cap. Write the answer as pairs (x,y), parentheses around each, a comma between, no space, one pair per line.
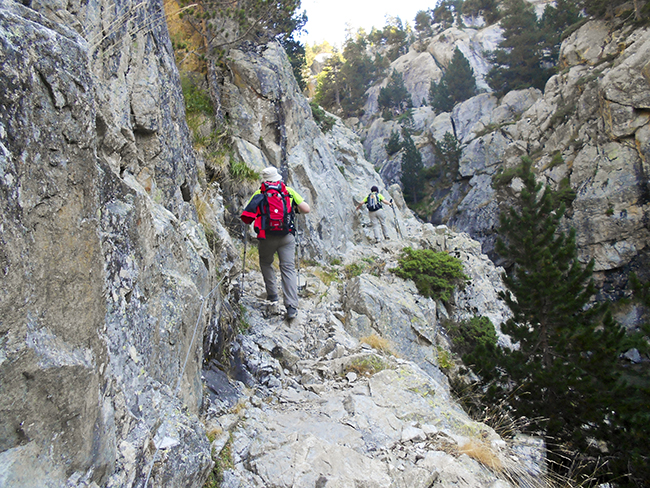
(271,174)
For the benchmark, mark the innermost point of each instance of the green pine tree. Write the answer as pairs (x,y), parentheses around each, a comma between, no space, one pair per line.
(394,98)
(412,168)
(519,61)
(487,8)
(562,372)
(456,85)
(439,96)
(394,144)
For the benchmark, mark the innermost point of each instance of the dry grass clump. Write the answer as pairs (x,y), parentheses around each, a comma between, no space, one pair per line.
(483,453)
(378,343)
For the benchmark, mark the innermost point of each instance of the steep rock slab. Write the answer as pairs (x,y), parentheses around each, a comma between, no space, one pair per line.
(52,368)
(273,125)
(102,354)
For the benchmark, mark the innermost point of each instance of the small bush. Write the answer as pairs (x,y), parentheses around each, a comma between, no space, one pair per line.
(468,334)
(435,274)
(352,270)
(366,366)
(239,170)
(504,177)
(324,121)
(196,100)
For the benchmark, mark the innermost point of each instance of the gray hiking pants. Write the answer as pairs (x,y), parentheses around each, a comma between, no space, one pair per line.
(285,247)
(379,219)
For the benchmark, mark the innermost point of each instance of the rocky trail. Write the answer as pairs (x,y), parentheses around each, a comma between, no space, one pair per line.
(320,407)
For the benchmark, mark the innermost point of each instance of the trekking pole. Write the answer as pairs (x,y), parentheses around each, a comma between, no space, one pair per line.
(298,254)
(399,231)
(243,264)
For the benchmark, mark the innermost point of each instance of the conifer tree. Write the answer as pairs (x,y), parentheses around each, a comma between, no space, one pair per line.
(394,97)
(562,371)
(412,167)
(518,63)
(423,24)
(456,85)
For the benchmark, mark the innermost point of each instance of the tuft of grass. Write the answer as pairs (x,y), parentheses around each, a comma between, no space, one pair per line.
(221,464)
(366,365)
(213,433)
(252,257)
(504,177)
(556,160)
(352,270)
(242,324)
(378,343)
(240,171)
(482,453)
(327,276)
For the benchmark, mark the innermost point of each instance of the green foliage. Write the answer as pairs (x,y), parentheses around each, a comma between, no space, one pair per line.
(324,121)
(224,23)
(466,336)
(423,24)
(449,150)
(222,463)
(439,96)
(565,365)
(447,12)
(518,61)
(444,358)
(393,145)
(487,8)
(565,194)
(504,177)
(607,9)
(240,171)
(296,54)
(352,270)
(345,79)
(456,85)
(435,274)
(393,36)
(197,100)
(366,365)
(394,96)
(412,168)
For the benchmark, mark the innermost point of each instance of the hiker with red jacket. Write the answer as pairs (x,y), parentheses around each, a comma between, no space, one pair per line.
(374,202)
(271,209)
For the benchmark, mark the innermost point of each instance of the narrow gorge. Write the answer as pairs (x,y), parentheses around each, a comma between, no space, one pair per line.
(136,347)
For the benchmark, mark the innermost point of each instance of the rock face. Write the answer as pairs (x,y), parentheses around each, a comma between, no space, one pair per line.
(273,125)
(592,118)
(104,289)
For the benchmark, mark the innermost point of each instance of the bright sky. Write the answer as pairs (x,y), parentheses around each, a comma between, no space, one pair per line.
(328,18)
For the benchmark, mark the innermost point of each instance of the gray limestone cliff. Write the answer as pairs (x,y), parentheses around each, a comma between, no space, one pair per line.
(587,132)
(106,273)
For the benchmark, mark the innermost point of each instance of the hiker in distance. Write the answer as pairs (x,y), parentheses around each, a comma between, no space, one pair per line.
(272,208)
(374,202)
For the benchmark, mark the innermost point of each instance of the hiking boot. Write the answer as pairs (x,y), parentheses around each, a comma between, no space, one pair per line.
(272,298)
(291,312)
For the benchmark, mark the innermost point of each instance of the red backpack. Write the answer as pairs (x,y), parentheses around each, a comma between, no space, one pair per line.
(277,213)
